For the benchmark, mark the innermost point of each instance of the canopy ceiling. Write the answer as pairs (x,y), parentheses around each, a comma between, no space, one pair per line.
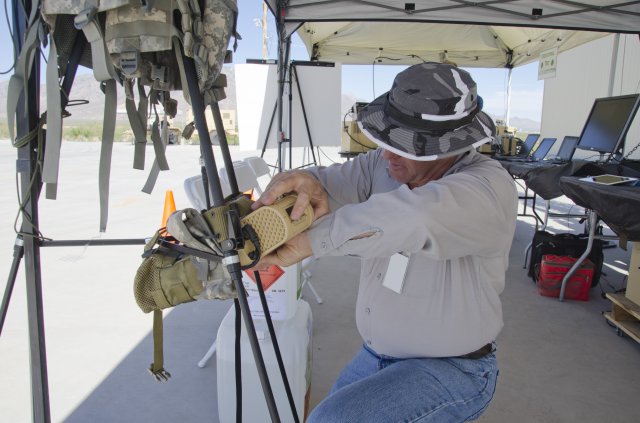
(491,33)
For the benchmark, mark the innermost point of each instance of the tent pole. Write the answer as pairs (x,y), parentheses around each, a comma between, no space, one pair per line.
(26,121)
(283,68)
(284,46)
(508,107)
(614,63)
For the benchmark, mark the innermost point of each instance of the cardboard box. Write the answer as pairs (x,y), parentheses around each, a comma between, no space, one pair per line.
(354,141)
(633,281)
(508,144)
(505,130)
(486,148)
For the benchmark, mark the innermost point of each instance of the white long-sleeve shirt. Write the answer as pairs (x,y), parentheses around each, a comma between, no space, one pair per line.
(457,232)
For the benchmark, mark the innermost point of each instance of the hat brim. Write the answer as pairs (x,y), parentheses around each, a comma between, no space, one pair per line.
(418,144)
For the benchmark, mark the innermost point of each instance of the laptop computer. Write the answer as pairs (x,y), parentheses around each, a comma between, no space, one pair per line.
(566,150)
(539,153)
(525,150)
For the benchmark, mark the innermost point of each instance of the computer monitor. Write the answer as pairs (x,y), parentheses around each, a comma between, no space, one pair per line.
(608,123)
(528,144)
(567,148)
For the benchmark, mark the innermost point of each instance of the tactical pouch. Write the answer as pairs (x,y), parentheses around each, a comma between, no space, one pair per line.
(167,278)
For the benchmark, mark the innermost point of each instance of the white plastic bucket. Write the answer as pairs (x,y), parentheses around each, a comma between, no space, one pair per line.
(282,297)
(294,340)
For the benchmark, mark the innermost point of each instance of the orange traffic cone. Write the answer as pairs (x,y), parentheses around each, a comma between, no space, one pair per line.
(169,207)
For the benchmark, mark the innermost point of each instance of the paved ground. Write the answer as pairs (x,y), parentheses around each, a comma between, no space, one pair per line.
(560,362)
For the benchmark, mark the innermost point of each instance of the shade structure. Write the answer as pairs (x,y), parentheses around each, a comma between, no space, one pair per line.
(493,33)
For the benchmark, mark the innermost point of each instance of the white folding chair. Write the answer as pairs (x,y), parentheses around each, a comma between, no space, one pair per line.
(260,169)
(245,177)
(194,189)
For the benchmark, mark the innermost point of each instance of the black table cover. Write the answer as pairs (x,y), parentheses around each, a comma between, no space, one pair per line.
(617,205)
(542,177)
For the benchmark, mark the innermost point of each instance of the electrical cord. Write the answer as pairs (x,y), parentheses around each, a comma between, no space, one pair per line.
(27,196)
(413,56)
(249,233)
(373,71)
(325,154)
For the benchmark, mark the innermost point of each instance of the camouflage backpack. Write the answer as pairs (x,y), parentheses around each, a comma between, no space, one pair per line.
(136,43)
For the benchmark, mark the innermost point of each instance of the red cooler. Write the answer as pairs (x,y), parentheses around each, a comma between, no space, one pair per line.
(553,269)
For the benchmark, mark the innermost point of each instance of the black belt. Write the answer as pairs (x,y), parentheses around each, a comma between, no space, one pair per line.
(479,353)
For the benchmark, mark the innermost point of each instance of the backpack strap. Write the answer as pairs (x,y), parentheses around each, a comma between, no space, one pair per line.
(51,165)
(152,178)
(106,149)
(137,120)
(157,367)
(18,82)
(87,21)
(159,141)
(179,57)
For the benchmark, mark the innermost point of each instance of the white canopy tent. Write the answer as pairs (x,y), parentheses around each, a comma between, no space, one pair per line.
(413,42)
(489,33)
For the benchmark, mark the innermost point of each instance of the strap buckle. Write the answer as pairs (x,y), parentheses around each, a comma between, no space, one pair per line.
(83,18)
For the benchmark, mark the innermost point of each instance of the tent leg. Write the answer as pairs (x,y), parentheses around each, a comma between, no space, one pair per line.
(508,108)
(26,121)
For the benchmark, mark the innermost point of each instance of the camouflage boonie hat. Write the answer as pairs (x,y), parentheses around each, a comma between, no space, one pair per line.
(432,111)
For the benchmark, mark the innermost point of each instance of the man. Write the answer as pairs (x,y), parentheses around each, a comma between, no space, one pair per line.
(433,222)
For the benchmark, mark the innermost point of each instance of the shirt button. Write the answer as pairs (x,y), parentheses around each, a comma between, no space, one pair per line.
(368,341)
(324,244)
(367,310)
(378,275)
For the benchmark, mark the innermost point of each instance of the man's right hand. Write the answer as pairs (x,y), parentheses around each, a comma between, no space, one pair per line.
(305,185)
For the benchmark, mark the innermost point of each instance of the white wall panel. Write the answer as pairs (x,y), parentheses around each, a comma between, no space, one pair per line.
(582,75)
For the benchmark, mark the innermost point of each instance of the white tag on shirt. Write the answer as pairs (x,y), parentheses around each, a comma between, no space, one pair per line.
(394,278)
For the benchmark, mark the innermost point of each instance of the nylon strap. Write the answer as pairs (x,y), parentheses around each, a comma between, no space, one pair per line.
(106,149)
(183,78)
(152,178)
(155,171)
(17,83)
(157,367)
(100,60)
(141,28)
(159,145)
(138,125)
(143,115)
(53,140)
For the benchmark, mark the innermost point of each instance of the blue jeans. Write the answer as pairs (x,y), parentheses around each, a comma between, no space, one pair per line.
(380,389)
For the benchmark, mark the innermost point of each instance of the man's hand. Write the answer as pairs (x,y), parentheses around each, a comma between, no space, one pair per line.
(308,189)
(291,252)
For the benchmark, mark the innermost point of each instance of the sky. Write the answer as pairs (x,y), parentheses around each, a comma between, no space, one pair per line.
(357,80)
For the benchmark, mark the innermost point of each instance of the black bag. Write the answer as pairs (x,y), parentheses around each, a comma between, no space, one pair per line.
(564,245)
